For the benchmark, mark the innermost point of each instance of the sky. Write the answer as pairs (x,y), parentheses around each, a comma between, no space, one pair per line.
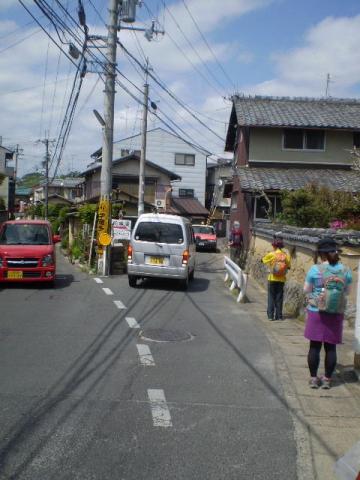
(210,50)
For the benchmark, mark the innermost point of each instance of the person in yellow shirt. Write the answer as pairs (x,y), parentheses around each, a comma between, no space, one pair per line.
(278,263)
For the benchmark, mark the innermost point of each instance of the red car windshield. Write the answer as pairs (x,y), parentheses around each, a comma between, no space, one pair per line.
(24,234)
(203,229)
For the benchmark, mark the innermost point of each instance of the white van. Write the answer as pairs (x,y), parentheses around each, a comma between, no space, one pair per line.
(161,246)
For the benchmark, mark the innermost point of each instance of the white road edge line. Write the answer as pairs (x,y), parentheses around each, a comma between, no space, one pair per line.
(146,358)
(159,409)
(98,280)
(119,304)
(132,322)
(107,291)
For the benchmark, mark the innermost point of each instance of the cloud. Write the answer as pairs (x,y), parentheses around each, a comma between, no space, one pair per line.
(330,47)
(28,109)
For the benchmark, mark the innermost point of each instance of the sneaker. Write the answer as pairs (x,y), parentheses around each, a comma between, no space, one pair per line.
(325,383)
(314,382)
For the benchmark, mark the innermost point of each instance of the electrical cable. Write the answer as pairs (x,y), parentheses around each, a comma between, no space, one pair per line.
(187,57)
(169,92)
(36,20)
(193,48)
(208,45)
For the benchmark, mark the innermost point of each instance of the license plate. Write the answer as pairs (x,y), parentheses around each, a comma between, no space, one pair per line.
(156,260)
(14,274)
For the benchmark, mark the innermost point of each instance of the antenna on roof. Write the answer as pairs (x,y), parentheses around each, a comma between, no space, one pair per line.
(328,81)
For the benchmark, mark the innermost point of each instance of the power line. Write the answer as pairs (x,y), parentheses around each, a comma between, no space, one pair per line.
(170,93)
(186,56)
(36,20)
(192,47)
(208,45)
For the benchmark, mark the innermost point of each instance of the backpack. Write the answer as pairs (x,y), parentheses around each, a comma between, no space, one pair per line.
(332,296)
(279,266)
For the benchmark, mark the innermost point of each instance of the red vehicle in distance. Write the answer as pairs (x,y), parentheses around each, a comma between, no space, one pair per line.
(205,237)
(27,251)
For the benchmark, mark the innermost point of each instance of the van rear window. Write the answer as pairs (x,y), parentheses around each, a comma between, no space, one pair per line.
(159,232)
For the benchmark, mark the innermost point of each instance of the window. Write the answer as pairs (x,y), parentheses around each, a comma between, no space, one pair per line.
(184,159)
(159,232)
(25,234)
(205,229)
(261,208)
(294,139)
(356,139)
(186,192)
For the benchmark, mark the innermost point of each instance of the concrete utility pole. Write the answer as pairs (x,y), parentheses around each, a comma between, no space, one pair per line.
(46,142)
(47,157)
(108,134)
(143,143)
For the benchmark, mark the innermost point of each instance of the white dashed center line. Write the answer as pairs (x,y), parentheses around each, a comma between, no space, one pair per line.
(159,409)
(98,280)
(145,355)
(119,304)
(107,291)
(132,322)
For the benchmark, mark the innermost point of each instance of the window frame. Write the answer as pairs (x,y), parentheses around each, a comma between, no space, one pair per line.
(186,195)
(192,155)
(304,133)
(276,204)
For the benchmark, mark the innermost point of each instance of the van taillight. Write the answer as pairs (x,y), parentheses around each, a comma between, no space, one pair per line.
(129,251)
(185,257)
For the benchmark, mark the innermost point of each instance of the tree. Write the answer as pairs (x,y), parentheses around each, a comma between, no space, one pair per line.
(30,180)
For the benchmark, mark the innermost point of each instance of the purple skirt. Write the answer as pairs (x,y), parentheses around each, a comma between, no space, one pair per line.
(324,327)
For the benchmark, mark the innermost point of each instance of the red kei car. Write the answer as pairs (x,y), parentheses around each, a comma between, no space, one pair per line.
(205,237)
(27,251)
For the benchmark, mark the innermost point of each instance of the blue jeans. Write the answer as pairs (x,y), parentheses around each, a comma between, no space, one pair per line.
(275,300)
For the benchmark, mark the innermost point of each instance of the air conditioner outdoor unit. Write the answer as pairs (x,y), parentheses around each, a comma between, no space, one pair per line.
(160,203)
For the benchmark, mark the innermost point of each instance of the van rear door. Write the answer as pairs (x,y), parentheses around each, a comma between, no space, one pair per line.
(159,243)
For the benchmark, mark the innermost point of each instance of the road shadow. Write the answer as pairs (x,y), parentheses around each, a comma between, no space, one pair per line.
(164,284)
(61,281)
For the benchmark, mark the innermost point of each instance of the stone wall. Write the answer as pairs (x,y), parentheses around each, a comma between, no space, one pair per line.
(302,249)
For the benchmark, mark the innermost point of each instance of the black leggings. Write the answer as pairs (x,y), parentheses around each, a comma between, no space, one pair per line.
(314,358)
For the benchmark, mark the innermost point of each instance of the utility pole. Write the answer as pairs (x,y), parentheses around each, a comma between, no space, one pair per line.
(46,142)
(108,137)
(143,143)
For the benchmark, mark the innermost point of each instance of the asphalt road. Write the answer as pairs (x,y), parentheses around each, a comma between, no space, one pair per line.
(85,392)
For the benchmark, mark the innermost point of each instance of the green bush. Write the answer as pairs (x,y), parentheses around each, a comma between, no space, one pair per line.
(315,206)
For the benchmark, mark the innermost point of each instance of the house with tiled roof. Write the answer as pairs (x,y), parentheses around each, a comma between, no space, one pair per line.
(282,143)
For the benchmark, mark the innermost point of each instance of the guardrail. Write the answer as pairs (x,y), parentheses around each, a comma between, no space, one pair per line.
(238,277)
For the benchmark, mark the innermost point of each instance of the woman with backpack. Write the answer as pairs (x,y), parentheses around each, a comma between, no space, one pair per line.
(326,286)
(278,263)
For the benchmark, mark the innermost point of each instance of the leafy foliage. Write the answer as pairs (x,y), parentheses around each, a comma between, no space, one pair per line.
(87,213)
(30,180)
(2,204)
(315,206)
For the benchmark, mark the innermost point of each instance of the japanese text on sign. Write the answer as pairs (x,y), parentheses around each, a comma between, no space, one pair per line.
(121,229)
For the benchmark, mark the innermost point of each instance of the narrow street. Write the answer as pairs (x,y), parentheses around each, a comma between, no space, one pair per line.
(86,394)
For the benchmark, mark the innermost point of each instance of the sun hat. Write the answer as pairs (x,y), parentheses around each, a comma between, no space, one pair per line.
(327,245)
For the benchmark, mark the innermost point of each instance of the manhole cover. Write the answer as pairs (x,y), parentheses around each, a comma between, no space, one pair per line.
(161,335)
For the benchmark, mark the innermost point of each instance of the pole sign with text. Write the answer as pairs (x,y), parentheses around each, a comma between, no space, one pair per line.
(121,229)
(102,222)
